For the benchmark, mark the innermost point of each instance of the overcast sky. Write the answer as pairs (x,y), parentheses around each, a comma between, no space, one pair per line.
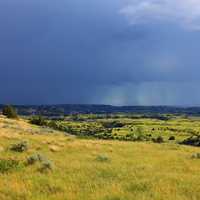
(120,52)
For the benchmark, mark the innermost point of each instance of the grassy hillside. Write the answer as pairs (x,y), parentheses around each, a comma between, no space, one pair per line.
(96,169)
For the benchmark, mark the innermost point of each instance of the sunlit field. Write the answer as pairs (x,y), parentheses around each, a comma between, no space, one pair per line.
(179,127)
(84,169)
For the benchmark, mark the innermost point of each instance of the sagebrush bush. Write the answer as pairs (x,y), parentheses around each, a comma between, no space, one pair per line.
(20,146)
(46,166)
(33,159)
(36,157)
(102,158)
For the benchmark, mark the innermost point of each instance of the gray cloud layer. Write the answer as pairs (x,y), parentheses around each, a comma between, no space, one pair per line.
(183,12)
(88,52)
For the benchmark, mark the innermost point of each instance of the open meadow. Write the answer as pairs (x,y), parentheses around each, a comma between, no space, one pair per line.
(51,164)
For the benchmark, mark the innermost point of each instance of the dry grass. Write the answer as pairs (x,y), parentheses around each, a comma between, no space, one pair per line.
(131,171)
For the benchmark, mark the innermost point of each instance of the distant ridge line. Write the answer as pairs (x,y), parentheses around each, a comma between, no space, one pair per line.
(64,109)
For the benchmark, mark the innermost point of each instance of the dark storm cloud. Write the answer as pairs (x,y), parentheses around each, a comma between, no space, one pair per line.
(88,52)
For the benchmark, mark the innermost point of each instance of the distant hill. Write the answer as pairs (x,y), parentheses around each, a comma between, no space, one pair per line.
(57,110)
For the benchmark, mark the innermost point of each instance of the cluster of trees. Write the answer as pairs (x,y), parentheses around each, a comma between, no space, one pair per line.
(10,112)
(41,121)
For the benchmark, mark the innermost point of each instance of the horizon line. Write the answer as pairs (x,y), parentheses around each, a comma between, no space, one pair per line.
(93,104)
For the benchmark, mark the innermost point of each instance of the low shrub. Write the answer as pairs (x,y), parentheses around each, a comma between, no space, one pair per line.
(46,166)
(142,138)
(8,165)
(172,138)
(33,159)
(102,158)
(38,120)
(149,135)
(112,124)
(54,125)
(196,156)
(20,146)
(193,141)
(105,136)
(159,139)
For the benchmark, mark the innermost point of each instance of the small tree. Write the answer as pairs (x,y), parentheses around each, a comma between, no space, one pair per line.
(10,112)
(38,120)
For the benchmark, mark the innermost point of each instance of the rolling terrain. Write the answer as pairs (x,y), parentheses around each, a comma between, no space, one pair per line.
(93,169)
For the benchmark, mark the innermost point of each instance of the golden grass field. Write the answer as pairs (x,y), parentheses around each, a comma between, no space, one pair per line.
(131,170)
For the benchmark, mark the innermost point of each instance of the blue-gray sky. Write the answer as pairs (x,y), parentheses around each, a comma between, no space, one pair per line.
(120,52)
